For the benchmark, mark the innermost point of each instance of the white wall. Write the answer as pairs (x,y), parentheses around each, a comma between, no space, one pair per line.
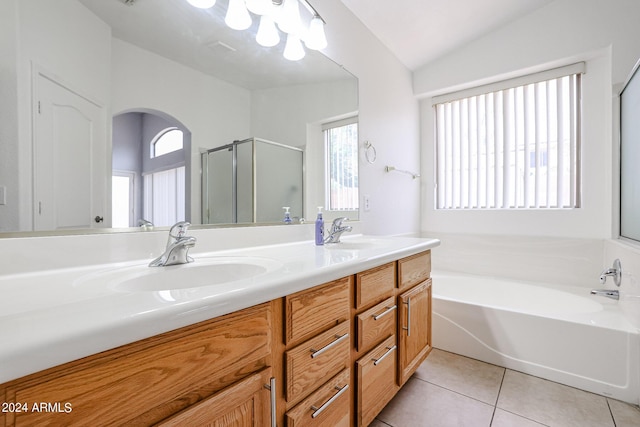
(214,111)
(76,53)
(9,141)
(606,35)
(388,119)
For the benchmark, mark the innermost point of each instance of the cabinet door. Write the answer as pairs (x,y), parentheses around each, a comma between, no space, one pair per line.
(244,404)
(414,318)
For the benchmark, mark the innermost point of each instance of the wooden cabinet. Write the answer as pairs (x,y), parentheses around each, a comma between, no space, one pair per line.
(414,332)
(309,364)
(318,346)
(148,381)
(414,269)
(328,406)
(375,284)
(376,324)
(244,404)
(376,380)
(333,355)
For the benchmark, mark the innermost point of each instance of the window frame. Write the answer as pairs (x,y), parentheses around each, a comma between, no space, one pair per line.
(502,187)
(326,127)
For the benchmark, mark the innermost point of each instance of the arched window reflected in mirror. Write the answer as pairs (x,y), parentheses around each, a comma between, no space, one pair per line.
(167,141)
(151,160)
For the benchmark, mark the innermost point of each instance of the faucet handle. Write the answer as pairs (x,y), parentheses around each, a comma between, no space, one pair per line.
(338,221)
(179,229)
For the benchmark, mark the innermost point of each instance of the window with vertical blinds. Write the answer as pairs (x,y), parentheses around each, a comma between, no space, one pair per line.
(511,145)
(341,142)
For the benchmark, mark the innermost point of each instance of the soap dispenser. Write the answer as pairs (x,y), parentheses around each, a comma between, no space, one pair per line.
(287,215)
(319,228)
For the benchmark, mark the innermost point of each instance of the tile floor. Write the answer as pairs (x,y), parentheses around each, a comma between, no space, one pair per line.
(450,390)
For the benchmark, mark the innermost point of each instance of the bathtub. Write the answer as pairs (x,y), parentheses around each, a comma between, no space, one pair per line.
(559,333)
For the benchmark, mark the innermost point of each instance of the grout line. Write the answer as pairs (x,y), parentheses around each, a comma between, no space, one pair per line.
(611,413)
(452,391)
(495,406)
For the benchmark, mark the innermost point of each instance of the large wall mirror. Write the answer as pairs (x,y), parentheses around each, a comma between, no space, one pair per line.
(92,85)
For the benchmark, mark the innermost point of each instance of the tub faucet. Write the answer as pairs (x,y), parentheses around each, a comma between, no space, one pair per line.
(615,272)
(178,245)
(336,230)
(609,293)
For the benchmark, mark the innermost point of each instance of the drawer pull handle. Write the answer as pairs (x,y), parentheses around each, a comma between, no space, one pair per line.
(384,313)
(325,405)
(272,388)
(381,358)
(338,340)
(408,327)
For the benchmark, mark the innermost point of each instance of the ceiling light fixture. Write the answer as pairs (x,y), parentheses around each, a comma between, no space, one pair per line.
(268,35)
(238,16)
(276,14)
(293,50)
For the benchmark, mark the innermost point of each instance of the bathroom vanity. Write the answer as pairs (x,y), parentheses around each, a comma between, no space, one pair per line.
(324,354)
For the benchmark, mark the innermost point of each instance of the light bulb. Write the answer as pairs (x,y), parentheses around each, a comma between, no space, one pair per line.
(316,38)
(267,32)
(237,16)
(289,19)
(259,7)
(293,50)
(202,4)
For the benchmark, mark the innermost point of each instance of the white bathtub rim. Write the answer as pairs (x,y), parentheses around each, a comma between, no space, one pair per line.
(610,315)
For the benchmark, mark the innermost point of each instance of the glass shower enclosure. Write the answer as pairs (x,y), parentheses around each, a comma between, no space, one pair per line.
(250,181)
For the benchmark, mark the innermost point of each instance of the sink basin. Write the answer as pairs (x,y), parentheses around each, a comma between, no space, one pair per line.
(200,273)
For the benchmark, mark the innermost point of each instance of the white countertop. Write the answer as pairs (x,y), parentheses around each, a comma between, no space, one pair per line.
(52,317)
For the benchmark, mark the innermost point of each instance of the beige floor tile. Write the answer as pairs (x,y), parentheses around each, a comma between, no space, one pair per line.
(624,414)
(378,423)
(553,404)
(421,404)
(507,419)
(470,377)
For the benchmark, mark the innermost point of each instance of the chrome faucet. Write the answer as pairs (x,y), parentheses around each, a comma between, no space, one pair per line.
(616,273)
(178,245)
(609,293)
(336,230)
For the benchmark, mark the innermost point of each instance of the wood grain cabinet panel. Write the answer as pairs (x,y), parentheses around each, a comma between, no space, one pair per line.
(312,362)
(244,404)
(312,311)
(376,373)
(374,285)
(414,329)
(414,269)
(376,324)
(329,406)
(145,382)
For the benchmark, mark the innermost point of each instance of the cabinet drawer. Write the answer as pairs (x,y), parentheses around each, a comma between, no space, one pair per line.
(376,380)
(145,382)
(414,269)
(312,362)
(315,310)
(375,284)
(328,406)
(376,324)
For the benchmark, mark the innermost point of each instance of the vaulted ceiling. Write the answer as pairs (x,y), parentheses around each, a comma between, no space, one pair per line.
(419,31)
